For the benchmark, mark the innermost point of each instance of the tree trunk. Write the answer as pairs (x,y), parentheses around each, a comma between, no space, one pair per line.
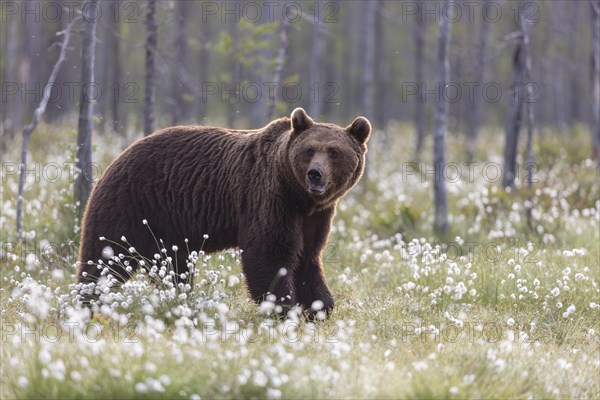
(83,181)
(596,81)
(114,45)
(350,58)
(204,63)
(259,73)
(230,91)
(380,100)
(60,107)
(181,50)
(314,74)
(575,98)
(369,59)
(525,28)
(475,116)
(440,196)
(515,115)
(101,75)
(419,72)
(331,76)
(27,66)
(37,114)
(9,125)
(457,106)
(281,55)
(559,87)
(151,44)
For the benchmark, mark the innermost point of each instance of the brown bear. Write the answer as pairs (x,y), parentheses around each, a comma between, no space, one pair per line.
(272,192)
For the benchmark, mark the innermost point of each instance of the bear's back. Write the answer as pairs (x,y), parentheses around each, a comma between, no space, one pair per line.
(184,181)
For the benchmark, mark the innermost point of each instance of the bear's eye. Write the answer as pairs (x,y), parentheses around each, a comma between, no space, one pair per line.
(310,152)
(333,153)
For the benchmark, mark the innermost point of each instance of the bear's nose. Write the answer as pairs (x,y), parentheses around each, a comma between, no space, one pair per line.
(314,174)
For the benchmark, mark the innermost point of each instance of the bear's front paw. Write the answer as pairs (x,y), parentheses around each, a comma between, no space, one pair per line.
(320,309)
(274,306)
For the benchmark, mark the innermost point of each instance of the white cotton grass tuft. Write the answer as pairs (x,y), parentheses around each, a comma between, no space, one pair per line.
(266,307)
(23,381)
(317,305)
(108,252)
(570,310)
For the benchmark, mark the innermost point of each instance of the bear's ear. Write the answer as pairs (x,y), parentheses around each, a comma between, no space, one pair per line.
(360,128)
(300,120)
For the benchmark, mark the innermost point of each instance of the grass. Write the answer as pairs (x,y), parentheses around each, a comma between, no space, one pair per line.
(494,310)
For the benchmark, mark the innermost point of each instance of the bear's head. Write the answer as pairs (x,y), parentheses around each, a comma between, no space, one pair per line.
(327,160)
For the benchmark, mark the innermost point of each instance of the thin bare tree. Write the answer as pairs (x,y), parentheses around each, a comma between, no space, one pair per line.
(281,55)
(113,39)
(179,88)
(314,71)
(596,80)
(526,29)
(27,68)
(475,116)
(381,73)
(204,63)
(515,111)
(9,125)
(151,44)
(368,89)
(232,93)
(83,180)
(440,195)
(37,114)
(419,36)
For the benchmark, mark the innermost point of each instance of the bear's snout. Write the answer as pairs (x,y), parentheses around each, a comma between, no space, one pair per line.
(315,175)
(316,184)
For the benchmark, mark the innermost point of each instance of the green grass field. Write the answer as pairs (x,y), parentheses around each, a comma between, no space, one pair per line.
(498,309)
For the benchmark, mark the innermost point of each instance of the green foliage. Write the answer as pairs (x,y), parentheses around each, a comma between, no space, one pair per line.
(252,41)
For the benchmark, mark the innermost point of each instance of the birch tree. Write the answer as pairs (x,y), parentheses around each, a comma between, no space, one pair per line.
(381,98)
(596,80)
(419,33)
(9,124)
(204,63)
(475,114)
(440,195)
(114,47)
(27,69)
(37,114)
(281,55)
(314,71)
(525,28)
(369,59)
(83,180)
(179,88)
(150,86)
(236,75)
(513,126)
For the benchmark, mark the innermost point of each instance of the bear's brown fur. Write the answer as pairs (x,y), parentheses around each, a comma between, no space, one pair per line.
(272,192)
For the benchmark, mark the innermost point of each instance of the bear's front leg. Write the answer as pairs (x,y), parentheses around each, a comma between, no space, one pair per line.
(268,267)
(310,278)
